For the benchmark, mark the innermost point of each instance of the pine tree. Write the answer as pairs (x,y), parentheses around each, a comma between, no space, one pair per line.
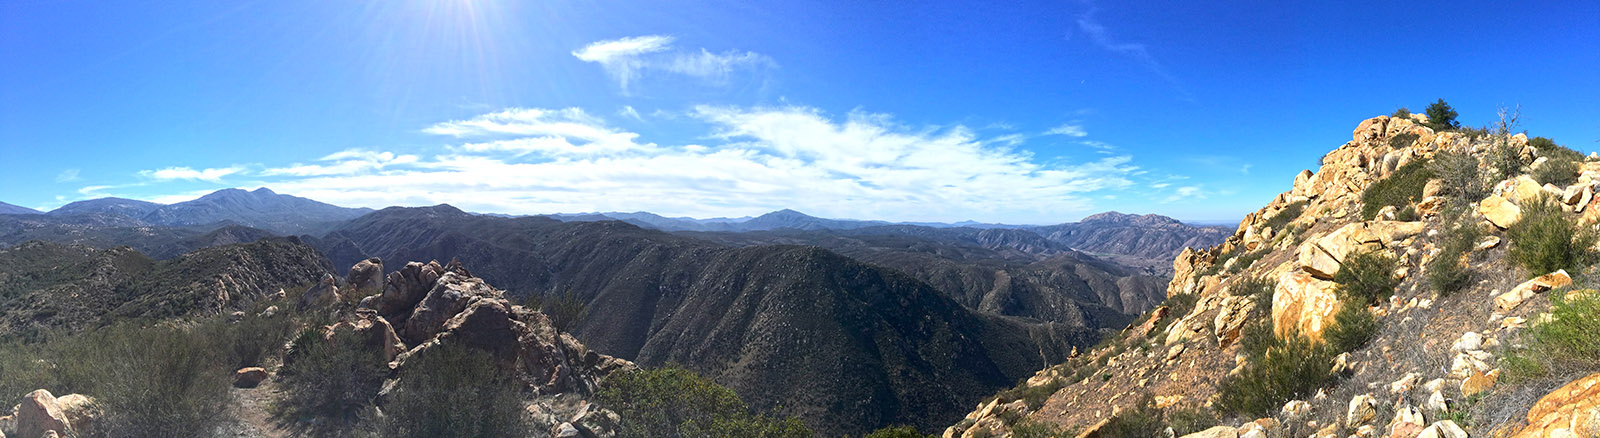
(1441,116)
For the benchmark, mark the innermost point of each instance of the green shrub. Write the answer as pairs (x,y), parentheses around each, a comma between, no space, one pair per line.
(1546,239)
(1506,161)
(1399,189)
(1459,176)
(1289,213)
(564,309)
(674,402)
(1033,396)
(330,378)
(1548,148)
(1352,327)
(453,391)
(251,341)
(897,432)
(1403,140)
(1190,420)
(1566,342)
(1441,117)
(1402,113)
(1407,214)
(1177,306)
(1559,171)
(1028,428)
(1143,419)
(1446,272)
(1243,262)
(1366,277)
(1291,368)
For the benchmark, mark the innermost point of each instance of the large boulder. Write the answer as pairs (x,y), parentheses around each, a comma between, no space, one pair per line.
(38,413)
(1322,257)
(403,289)
(366,275)
(1499,211)
(1572,410)
(450,295)
(249,377)
(1304,304)
(324,293)
(1215,432)
(1513,298)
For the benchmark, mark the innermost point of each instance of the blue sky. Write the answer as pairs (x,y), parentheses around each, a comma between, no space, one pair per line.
(1027,112)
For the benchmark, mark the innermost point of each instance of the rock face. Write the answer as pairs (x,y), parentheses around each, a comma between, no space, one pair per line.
(39,413)
(366,275)
(1572,410)
(1499,211)
(1322,257)
(1304,304)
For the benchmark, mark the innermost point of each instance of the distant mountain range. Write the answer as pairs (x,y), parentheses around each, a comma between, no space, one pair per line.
(261,208)
(13,209)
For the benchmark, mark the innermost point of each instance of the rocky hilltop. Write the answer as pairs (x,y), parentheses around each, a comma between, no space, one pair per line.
(1422,283)
(1137,240)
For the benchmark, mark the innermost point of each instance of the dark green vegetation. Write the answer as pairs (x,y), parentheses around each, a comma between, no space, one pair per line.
(1289,213)
(1448,272)
(797,330)
(1403,140)
(1563,345)
(1547,239)
(1560,166)
(453,391)
(330,383)
(673,402)
(1401,113)
(165,381)
(49,286)
(1461,180)
(897,432)
(1284,368)
(1441,117)
(1142,420)
(1400,189)
(564,309)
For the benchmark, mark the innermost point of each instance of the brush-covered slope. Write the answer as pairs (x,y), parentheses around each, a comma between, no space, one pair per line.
(15,209)
(1150,236)
(47,286)
(848,346)
(1406,269)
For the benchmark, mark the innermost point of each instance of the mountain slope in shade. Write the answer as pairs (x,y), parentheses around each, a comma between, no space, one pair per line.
(14,209)
(45,286)
(118,206)
(848,346)
(261,208)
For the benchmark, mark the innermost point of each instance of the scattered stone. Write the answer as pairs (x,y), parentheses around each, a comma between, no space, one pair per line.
(1405,384)
(1479,382)
(1443,429)
(366,275)
(1437,403)
(249,377)
(1510,300)
(1468,341)
(1294,408)
(323,294)
(1408,422)
(269,312)
(1363,408)
(1514,322)
(1215,432)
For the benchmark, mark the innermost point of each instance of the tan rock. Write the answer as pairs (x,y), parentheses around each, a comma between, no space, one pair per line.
(1573,408)
(1295,408)
(1215,432)
(1303,304)
(1524,189)
(1321,257)
(1510,300)
(1499,211)
(1231,318)
(323,294)
(1443,429)
(249,377)
(1363,408)
(38,413)
(1479,382)
(366,276)
(1407,423)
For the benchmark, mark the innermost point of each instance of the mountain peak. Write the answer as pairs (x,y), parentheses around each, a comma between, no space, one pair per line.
(1131,219)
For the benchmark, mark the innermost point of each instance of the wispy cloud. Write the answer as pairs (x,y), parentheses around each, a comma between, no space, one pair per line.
(1068,129)
(756,159)
(185,173)
(1101,37)
(68,175)
(626,59)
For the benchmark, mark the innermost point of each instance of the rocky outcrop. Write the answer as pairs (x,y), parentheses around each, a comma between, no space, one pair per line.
(1572,410)
(1322,257)
(366,275)
(1303,304)
(41,414)
(325,293)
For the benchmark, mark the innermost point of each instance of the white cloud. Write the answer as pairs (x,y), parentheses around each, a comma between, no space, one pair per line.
(68,175)
(185,173)
(1068,129)
(344,162)
(625,59)
(755,160)
(1185,193)
(629,112)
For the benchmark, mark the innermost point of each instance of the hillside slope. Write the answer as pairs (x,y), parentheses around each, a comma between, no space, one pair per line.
(1136,238)
(1446,352)
(848,346)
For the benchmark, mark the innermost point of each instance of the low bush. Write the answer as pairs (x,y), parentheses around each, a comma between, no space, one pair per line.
(1459,176)
(674,402)
(564,309)
(453,391)
(1192,419)
(1399,189)
(1559,171)
(1289,368)
(328,380)
(1548,148)
(1352,327)
(1289,213)
(1244,261)
(1547,239)
(1143,419)
(1178,305)
(1564,343)
(1447,272)
(1403,140)
(1506,161)
(1367,277)
(1401,113)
